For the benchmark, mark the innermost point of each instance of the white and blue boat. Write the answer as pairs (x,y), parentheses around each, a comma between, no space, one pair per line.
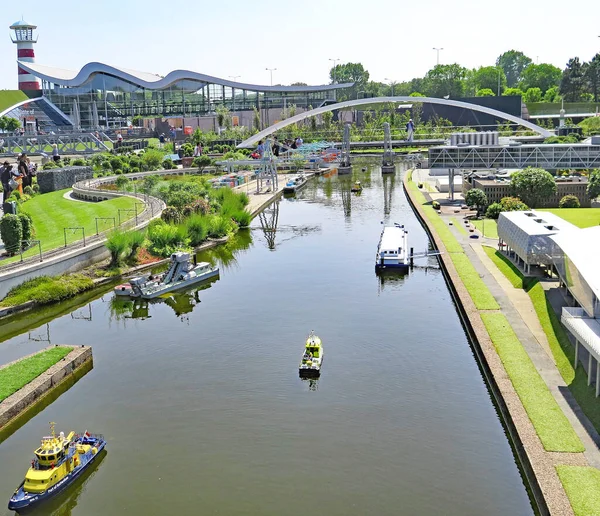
(58,462)
(392,251)
(294,184)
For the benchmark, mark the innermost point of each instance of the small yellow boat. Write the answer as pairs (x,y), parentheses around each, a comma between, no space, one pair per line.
(357,187)
(310,365)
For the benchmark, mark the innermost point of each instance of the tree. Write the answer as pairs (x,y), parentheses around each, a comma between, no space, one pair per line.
(513,63)
(593,188)
(552,95)
(533,185)
(592,75)
(533,95)
(256,118)
(493,210)
(9,124)
(509,92)
(569,201)
(476,197)
(298,84)
(572,83)
(416,94)
(487,77)
(349,72)
(222,115)
(513,204)
(445,80)
(590,125)
(542,76)
(486,92)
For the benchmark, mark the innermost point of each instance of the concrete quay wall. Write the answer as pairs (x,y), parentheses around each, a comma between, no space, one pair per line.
(523,437)
(21,400)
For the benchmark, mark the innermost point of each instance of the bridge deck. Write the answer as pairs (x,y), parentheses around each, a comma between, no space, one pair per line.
(575,156)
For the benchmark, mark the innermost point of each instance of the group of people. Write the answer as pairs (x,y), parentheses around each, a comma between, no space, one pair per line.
(17,178)
(277,146)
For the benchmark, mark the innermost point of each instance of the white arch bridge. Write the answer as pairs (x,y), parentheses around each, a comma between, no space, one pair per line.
(253,140)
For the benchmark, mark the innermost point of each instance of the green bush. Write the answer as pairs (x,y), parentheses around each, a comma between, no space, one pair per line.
(202,162)
(242,218)
(116,163)
(117,244)
(219,226)
(569,201)
(188,150)
(201,206)
(167,164)
(27,225)
(136,240)
(151,159)
(134,170)
(166,239)
(197,229)
(123,183)
(65,161)
(49,165)
(106,165)
(28,190)
(118,172)
(172,214)
(155,223)
(493,210)
(11,232)
(78,162)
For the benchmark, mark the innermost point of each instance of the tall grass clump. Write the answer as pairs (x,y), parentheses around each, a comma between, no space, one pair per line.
(117,244)
(242,218)
(165,239)
(197,227)
(47,289)
(136,240)
(219,226)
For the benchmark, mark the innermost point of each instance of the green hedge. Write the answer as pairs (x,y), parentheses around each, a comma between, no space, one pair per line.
(46,289)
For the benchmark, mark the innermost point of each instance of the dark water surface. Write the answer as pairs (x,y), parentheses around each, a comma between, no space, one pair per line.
(204,413)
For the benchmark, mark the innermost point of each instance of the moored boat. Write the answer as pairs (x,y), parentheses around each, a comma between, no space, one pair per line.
(356,187)
(392,250)
(58,462)
(312,358)
(180,274)
(294,184)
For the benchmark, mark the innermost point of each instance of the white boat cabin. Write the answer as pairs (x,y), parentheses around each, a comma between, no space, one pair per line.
(393,248)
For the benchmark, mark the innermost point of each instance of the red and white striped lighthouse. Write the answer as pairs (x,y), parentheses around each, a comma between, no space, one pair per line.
(24,40)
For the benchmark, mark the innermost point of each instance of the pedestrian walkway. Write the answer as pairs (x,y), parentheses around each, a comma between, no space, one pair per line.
(517,307)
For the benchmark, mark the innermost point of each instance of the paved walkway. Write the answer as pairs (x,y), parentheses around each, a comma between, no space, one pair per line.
(516,305)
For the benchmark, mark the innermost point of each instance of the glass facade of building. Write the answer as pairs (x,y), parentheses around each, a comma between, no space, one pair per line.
(119,100)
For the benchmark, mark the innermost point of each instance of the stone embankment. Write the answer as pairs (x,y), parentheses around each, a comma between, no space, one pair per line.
(34,391)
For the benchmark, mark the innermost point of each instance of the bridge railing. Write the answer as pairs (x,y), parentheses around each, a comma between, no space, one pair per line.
(67,143)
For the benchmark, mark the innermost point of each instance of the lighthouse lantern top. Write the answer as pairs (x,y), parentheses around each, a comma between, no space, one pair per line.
(23,31)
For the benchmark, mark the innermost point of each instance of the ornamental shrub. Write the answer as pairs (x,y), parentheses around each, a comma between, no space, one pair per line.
(28,190)
(117,244)
(11,232)
(493,210)
(78,162)
(27,225)
(569,201)
(202,162)
(166,239)
(197,229)
(116,163)
(151,159)
(167,164)
(219,226)
(172,214)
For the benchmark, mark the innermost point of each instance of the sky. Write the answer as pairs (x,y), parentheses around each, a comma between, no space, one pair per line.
(393,39)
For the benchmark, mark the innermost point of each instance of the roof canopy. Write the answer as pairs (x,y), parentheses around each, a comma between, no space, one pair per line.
(22,24)
(152,81)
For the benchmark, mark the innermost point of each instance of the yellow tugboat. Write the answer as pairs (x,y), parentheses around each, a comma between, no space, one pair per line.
(357,187)
(58,462)
(310,365)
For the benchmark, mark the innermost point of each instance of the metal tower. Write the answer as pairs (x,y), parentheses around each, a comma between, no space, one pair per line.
(387,164)
(268,169)
(24,39)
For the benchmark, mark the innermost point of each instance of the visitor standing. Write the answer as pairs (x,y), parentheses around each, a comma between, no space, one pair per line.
(198,150)
(260,150)
(161,140)
(275,146)
(410,129)
(55,155)
(299,142)
(23,169)
(5,176)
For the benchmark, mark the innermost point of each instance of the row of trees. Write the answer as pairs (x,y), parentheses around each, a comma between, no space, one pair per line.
(9,124)
(513,74)
(529,187)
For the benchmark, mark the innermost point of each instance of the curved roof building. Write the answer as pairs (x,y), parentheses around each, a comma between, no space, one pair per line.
(118,94)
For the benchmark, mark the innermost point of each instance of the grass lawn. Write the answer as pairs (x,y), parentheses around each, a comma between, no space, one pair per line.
(551,425)
(480,294)
(582,486)
(459,225)
(563,351)
(13,377)
(490,226)
(44,289)
(9,98)
(580,217)
(51,213)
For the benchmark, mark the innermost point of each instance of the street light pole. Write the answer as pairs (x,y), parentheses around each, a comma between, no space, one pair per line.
(334,78)
(271,70)
(392,84)
(438,54)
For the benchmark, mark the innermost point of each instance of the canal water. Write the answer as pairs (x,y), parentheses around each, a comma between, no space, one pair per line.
(200,400)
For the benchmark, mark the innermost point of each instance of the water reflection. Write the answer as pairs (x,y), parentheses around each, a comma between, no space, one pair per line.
(224,255)
(390,278)
(268,223)
(389,183)
(64,503)
(182,303)
(345,183)
(311,383)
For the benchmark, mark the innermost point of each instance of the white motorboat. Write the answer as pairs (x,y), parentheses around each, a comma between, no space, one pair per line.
(294,184)
(180,274)
(392,251)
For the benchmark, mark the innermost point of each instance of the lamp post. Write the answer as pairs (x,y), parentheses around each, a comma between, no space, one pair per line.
(437,50)
(271,70)
(392,84)
(334,78)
